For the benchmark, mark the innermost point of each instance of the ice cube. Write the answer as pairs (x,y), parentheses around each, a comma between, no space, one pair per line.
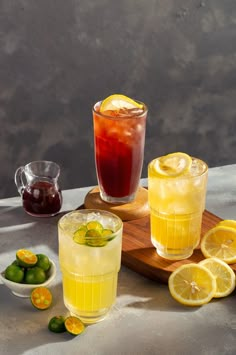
(130,112)
(198,167)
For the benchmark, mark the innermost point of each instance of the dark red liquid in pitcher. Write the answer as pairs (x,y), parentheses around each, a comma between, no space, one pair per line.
(42,198)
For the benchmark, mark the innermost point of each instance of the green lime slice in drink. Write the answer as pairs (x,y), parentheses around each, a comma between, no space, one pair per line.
(108,233)
(94,238)
(94,225)
(79,235)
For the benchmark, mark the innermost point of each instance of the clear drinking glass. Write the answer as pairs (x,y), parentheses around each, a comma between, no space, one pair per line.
(37,183)
(89,264)
(119,148)
(176,208)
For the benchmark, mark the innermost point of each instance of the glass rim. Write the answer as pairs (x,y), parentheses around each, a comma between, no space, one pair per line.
(182,177)
(29,169)
(141,114)
(93,210)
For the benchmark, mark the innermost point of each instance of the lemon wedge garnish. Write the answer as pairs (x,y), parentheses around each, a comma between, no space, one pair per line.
(220,242)
(173,164)
(225,277)
(117,102)
(192,285)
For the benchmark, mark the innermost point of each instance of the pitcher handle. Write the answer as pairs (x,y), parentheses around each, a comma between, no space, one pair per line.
(19,179)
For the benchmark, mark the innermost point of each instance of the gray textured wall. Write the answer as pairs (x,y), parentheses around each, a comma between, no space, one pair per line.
(57,58)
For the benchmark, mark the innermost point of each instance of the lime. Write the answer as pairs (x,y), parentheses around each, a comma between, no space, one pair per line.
(15,262)
(94,225)
(92,234)
(14,273)
(26,258)
(74,325)
(43,262)
(94,238)
(57,324)
(35,275)
(41,298)
(79,235)
(108,233)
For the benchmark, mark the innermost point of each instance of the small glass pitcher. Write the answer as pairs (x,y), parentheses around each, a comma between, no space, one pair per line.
(37,183)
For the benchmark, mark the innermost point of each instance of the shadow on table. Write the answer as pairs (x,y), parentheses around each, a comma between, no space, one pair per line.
(20,230)
(138,292)
(26,328)
(163,302)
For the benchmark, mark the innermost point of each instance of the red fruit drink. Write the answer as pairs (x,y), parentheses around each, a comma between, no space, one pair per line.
(119,137)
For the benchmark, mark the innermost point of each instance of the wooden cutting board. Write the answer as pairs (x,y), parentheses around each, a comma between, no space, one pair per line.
(139,254)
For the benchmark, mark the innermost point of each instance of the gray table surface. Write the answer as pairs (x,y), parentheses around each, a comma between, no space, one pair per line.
(145,319)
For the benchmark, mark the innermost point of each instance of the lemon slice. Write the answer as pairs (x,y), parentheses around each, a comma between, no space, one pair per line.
(220,242)
(225,277)
(227,223)
(174,164)
(117,102)
(192,285)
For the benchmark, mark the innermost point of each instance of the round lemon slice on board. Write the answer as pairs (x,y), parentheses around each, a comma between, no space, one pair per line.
(192,285)
(227,223)
(117,102)
(220,242)
(174,164)
(225,277)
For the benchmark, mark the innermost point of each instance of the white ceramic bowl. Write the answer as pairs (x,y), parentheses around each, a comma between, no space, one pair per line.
(24,290)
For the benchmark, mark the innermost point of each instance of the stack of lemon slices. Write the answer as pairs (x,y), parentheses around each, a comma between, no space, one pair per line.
(196,284)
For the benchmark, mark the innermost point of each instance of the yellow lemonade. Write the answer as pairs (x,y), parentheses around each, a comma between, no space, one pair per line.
(177,202)
(89,266)
(89,294)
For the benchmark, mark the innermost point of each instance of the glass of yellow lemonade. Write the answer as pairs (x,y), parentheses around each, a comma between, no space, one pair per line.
(176,192)
(90,259)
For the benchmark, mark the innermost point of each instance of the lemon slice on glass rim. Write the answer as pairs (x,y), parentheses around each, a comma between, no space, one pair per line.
(117,102)
(225,277)
(220,242)
(172,165)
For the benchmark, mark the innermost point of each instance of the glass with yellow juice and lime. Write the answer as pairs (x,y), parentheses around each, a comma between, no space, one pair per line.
(176,192)
(90,259)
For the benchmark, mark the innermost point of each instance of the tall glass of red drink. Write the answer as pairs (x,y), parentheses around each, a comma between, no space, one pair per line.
(119,137)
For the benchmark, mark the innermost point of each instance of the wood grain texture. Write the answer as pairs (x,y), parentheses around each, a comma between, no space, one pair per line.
(139,254)
(127,211)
